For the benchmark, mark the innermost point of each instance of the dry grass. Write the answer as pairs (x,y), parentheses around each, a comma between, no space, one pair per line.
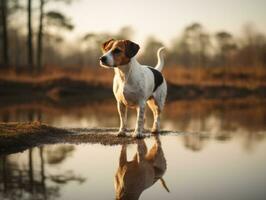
(247,77)
(92,75)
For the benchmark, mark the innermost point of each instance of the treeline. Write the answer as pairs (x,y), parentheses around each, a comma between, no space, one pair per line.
(26,43)
(195,47)
(34,44)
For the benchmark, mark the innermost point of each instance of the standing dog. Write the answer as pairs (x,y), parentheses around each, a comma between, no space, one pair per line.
(134,84)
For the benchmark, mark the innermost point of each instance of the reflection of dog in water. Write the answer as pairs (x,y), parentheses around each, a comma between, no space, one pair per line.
(133,177)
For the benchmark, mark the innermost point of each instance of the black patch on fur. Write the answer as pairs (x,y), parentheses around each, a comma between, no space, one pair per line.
(158,78)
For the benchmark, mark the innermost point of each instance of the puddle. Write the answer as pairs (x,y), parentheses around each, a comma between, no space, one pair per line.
(191,166)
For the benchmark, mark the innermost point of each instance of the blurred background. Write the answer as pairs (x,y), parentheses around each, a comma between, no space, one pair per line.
(216,73)
(215,61)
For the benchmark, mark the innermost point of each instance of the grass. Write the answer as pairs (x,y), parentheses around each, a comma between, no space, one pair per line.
(79,85)
(245,77)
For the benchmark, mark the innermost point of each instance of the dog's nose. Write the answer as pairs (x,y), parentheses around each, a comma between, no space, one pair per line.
(103,59)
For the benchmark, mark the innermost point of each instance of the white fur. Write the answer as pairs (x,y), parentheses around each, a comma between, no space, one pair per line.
(160,63)
(133,86)
(110,59)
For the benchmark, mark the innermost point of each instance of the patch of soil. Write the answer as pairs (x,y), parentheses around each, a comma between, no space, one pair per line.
(16,137)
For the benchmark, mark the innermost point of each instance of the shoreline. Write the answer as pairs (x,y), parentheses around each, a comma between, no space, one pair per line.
(67,89)
(17,137)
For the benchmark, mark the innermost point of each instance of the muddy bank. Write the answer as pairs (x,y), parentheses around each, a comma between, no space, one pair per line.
(66,90)
(63,90)
(212,92)
(16,137)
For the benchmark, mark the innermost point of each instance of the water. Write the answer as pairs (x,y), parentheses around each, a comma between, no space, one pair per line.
(216,115)
(219,154)
(219,170)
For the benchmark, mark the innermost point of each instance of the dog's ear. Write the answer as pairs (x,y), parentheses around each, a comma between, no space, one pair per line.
(131,48)
(106,46)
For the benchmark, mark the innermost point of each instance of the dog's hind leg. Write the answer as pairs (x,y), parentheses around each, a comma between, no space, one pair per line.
(122,110)
(156,104)
(156,115)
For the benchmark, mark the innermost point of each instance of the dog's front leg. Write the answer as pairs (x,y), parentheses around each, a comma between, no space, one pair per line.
(122,110)
(140,120)
(142,150)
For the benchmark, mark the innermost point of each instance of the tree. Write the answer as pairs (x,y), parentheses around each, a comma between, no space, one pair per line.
(253,47)
(192,48)
(226,45)
(150,49)
(125,33)
(14,8)
(198,43)
(4,32)
(40,36)
(29,41)
(53,18)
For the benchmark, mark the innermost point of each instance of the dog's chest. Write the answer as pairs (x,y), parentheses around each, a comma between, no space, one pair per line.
(128,95)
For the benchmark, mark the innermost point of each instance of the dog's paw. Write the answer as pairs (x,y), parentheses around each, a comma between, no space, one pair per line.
(138,135)
(121,133)
(154,130)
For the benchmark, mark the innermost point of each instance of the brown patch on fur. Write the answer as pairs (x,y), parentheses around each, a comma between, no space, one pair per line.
(120,58)
(107,45)
(122,50)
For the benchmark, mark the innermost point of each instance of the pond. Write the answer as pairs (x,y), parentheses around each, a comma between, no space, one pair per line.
(190,167)
(217,153)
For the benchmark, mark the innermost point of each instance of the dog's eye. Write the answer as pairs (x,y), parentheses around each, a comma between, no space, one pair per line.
(116,51)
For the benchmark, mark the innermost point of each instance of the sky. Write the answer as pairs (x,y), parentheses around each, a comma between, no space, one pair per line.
(164,19)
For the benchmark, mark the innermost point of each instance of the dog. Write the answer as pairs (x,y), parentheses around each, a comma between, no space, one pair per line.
(134,84)
(133,177)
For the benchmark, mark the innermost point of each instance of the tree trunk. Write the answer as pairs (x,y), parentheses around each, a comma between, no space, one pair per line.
(40,36)
(30,49)
(31,175)
(4,33)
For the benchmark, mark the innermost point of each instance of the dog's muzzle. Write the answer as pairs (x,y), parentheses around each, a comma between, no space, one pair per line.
(103,59)
(104,62)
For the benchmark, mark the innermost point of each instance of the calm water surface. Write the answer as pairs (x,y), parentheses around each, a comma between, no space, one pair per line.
(211,169)
(220,154)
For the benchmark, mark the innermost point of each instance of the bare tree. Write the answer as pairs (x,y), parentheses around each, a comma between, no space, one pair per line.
(40,36)
(4,33)
(226,45)
(29,42)
(198,42)
(54,18)
(253,50)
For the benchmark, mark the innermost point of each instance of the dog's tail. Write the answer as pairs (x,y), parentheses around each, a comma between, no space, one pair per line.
(164,185)
(160,58)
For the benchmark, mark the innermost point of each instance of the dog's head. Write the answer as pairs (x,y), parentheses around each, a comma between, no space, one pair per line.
(118,52)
